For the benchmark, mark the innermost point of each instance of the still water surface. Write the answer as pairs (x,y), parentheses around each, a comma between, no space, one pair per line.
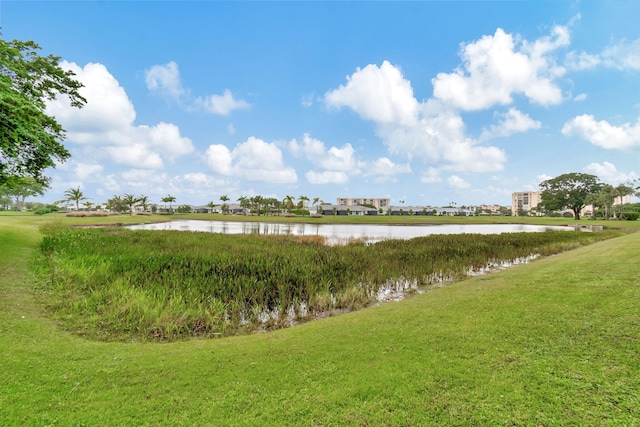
(341,233)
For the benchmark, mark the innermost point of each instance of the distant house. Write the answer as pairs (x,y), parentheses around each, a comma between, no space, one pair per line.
(487,209)
(410,210)
(232,208)
(347,210)
(454,212)
(202,209)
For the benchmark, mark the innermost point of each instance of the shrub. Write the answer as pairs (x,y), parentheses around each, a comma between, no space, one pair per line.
(631,216)
(46,209)
(42,211)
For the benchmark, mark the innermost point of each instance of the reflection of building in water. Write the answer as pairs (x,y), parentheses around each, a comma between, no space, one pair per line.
(378,203)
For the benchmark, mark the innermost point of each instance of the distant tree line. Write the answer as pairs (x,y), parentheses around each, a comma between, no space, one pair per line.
(571,191)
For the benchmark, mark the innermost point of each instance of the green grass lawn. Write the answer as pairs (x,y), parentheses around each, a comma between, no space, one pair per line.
(554,342)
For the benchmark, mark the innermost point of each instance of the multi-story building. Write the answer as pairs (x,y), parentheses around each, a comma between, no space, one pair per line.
(524,201)
(378,203)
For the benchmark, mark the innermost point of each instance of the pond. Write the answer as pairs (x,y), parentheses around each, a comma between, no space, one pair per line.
(342,233)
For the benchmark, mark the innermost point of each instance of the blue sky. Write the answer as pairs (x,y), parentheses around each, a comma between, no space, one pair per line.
(427,102)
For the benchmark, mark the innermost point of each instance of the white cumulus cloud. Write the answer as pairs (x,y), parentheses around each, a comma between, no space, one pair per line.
(222,104)
(165,79)
(609,173)
(431,176)
(429,131)
(512,122)
(622,55)
(85,171)
(494,70)
(333,158)
(543,177)
(380,94)
(326,177)
(134,155)
(254,160)
(602,133)
(499,66)
(341,163)
(386,167)
(456,182)
(108,107)
(106,124)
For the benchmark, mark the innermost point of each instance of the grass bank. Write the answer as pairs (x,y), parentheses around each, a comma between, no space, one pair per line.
(554,342)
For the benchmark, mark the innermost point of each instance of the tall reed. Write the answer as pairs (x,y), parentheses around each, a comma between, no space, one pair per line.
(116,283)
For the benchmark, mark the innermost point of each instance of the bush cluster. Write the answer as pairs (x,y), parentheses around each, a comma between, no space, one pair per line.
(46,209)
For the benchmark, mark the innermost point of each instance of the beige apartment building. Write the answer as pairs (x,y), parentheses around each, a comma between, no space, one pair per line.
(524,201)
(378,203)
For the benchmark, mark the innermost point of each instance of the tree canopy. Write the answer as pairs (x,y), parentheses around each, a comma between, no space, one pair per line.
(31,140)
(21,188)
(568,191)
(604,198)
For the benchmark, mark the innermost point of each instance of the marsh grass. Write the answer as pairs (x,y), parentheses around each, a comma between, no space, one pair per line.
(119,284)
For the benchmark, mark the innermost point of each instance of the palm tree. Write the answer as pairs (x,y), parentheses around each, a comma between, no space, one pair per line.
(257,201)
(169,199)
(224,198)
(131,201)
(301,201)
(115,204)
(244,203)
(270,204)
(211,205)
(288,203)
(74,195)
(144,202)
